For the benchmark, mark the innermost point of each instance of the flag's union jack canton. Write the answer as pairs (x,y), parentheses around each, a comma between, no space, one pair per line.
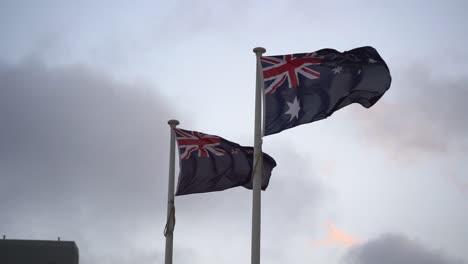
(286,68)
(307,87)
(190,141)
(211,163)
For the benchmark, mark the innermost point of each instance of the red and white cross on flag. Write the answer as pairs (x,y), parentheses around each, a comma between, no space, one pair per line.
(286,68)
(190,141)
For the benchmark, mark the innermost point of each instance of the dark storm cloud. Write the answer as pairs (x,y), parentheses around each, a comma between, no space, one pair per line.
(395,248)
(82,157)
(428,113)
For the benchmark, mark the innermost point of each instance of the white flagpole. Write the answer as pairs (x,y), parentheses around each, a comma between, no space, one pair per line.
(258,161)
(169,230)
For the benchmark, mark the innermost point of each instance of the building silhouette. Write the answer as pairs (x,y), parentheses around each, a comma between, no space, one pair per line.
(16,251)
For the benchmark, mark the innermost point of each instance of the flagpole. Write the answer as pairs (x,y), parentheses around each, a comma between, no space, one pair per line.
(258,162)
(169,230)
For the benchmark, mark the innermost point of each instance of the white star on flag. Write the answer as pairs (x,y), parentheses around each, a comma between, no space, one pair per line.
(235,151)
(293,110)
(337,70)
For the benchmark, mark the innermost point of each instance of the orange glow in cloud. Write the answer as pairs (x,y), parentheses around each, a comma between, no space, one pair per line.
(337,237)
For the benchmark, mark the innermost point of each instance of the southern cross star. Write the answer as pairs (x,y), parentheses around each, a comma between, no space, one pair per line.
(337,70)
(293,110)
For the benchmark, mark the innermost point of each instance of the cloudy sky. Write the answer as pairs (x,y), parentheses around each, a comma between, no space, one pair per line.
(87,87)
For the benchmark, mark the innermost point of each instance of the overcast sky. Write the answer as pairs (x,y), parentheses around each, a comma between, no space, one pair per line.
(87,87)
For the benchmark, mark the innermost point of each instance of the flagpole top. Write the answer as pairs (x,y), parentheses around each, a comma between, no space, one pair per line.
(259,50)
(173,122)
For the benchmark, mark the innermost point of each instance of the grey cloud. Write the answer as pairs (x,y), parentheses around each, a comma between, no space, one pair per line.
(83,157)
(396,248)
(427,113)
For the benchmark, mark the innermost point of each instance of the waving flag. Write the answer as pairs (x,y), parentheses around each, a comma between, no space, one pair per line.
(210,163)
(203,144)
(307,87)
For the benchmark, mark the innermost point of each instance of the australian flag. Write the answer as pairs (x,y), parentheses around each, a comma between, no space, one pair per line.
(306,87)
(210,163)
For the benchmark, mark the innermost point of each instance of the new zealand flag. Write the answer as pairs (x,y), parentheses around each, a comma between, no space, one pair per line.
(210,163)
(306,87)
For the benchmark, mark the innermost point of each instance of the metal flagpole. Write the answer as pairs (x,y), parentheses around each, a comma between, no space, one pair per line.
(169,230)
(258,162)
